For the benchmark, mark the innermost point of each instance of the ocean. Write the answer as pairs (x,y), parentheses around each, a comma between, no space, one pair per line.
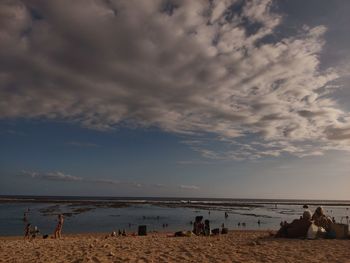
(107,214)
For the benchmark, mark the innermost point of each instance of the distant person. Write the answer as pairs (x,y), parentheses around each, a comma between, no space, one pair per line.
(207,230)
(27,231)
(58,230)
(226,215)
(298,228)
(25,217)
(321,220)
(259,222)
(35,231)
(198,226)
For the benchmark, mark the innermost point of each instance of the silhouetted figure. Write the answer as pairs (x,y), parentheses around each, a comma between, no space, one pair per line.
(58,230)
(207,230)
(259,222)
(226,215)
(27,231)
(198,226)
(25,217)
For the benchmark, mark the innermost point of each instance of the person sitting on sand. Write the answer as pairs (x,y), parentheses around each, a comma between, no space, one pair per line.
(59,226)
(298,228)
(321,220)
(34,232)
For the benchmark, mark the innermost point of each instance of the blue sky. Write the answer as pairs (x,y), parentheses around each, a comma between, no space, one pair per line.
(242,99)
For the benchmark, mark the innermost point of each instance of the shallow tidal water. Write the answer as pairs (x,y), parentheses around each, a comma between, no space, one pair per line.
(108,219)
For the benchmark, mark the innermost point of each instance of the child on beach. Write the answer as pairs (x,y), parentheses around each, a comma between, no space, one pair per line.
(59,226)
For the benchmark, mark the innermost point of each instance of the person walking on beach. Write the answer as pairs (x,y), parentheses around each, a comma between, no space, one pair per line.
(27,231)
(59,226)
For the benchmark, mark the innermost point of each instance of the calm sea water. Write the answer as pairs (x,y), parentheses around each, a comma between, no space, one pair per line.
(101,219)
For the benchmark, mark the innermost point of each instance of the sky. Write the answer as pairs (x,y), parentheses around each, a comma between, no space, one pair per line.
(175,98)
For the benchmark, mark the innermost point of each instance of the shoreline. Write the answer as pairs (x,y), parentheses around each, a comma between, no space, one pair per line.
(191,203)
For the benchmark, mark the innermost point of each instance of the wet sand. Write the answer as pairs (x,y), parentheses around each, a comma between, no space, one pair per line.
(237,246)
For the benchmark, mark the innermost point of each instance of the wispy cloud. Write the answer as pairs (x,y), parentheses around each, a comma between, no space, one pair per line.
(204,67)
(189,187)
(59,176)
(190,162)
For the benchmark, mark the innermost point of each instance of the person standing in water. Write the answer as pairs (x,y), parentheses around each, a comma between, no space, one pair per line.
(59,226)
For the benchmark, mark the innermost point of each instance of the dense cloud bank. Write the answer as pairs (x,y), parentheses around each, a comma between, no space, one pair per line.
(188,67)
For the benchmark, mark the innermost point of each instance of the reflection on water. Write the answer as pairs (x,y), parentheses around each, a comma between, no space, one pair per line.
(107,219)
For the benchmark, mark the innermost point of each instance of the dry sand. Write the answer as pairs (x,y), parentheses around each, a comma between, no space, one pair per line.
(237,246)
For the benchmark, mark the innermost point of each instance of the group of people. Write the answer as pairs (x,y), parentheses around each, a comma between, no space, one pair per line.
(32,232)
(299,228)
(200,228)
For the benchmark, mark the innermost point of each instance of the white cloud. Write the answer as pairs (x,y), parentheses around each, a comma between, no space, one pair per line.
(211,67)
(53,176)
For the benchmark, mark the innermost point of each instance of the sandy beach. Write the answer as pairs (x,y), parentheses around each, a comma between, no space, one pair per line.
(237,246)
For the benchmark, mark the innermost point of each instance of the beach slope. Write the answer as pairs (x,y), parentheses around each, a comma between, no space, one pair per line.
(237,246)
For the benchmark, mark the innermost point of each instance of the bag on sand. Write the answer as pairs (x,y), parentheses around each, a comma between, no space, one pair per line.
(224,230)
(215,231)
(340,230)
(142,231)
